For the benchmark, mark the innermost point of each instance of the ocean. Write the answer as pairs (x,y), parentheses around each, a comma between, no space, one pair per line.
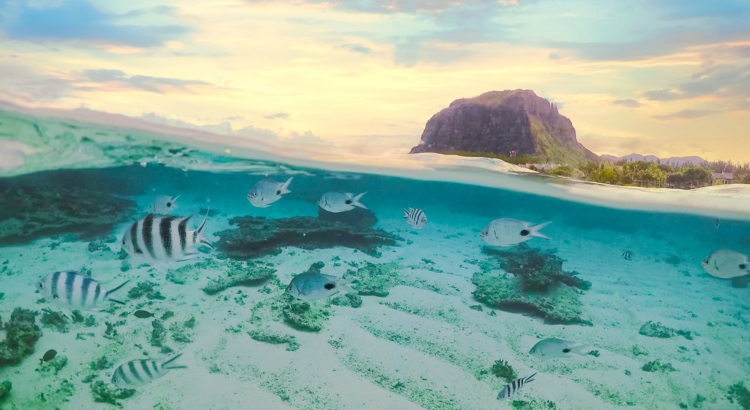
(438,318)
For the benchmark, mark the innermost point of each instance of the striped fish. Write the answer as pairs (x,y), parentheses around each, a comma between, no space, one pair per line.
(71,289)
(514,386)
(139,372)
(160,239)
(415,217)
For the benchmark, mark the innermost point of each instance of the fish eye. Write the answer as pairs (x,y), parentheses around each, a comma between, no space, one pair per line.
(40,284)
(169,204)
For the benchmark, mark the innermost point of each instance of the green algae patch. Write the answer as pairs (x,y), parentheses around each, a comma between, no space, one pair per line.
(657,366)
(5,388)
(103,393)
(376,279)
(239,274)
(350,299)
(266,335)
(503,370)
(660,331)
(739,393)
(300,315)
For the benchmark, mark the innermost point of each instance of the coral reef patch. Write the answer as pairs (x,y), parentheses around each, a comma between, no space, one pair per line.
(359,217)
(660,331)
(239,274)
(21,334)
(255,237)
(269,336)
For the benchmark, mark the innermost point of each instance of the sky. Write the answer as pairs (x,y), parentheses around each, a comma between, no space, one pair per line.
(661,77)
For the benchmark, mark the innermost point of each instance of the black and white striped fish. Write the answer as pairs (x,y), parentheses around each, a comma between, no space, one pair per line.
(514,387)
(160,239)
(415,217)
(71,289)
(139,372)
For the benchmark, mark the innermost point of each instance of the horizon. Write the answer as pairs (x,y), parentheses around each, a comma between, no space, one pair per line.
(664,77)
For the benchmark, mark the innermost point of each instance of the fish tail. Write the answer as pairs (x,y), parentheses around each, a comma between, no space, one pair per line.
(167,364)
(201,237)
(285,188)
(529,379)
(581,350)
(406,214)
(534,230)
(355,200)
(109,293)
(344,287)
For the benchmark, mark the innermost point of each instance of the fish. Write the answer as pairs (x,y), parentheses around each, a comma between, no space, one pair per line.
(718,223)
(163,205)
(513,387)
(415,217)
(48,356)
(553,348)
(726,264)
(627,255)
(267,191)
(313,285)
(142,314)
(337,202)
(139,372)
(509,232)
(161,239)
(74,290)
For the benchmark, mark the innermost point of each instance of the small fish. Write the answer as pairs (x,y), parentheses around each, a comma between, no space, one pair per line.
(337,202)
(142,314)
(139,372)
(513,387)
(164,205)
(508,232)
(267,191)
(48,356)
(718,223)
(415,217)
(313,285)
(71,289)
(627,255)
(554,348)
(726,264)
(162,239)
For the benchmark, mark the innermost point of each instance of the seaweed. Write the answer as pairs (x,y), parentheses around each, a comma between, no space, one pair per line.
(21,334)
(658,330)
(255,237)
(239,274)
(504,371)
(105,394)
(268,336)
(739,393)
(657,366)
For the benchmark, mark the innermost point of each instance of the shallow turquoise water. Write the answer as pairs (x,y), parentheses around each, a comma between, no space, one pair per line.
(427,340)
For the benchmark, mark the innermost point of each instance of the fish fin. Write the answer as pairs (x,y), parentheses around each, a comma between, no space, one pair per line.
(285,188)
(112,291)
(167,364)
(174,205)
(355,200)
(116,301)
(201,237)
(535,230)
(529,379)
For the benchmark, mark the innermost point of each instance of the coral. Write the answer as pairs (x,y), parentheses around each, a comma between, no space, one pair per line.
(349,299)
(256,237)
(358,217)
(55,320)
(652,329)
(269,336)
(55,364)
(504,371)
(145,288)
(21,334)
(739,393)
(101,363)
(538,271)
(657,366)
(158,334)
(30,210)
(639,351)
(105,394)
(180,333)
(376,279)
(239,274)
(5,389)
(303,316)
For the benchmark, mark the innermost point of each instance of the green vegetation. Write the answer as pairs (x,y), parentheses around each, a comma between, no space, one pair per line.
(739,393)
(657,366)
(503,370)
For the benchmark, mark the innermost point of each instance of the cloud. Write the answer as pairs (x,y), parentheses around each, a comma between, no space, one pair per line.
(282,115)
(258,134)
(159,85)
(356,48)
(662,95)
(305,138)
(80,20)
(686,114)
(223,128)
(630,103)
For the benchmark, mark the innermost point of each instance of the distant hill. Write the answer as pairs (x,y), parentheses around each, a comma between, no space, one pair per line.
(653,158)
(498,122)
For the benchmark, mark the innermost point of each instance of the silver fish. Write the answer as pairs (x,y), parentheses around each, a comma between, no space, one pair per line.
(76,291)
(164,205)
(554,348)
(313,285)
(513,387)
(337,202)
(509,232)
(415,217)
(726,264)
(267,191)
(139,372)
(162,239)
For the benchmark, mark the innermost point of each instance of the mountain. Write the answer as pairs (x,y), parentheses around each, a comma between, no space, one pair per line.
(653,158)
(498,122)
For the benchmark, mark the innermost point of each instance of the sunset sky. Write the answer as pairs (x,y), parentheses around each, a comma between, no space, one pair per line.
(662,77)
